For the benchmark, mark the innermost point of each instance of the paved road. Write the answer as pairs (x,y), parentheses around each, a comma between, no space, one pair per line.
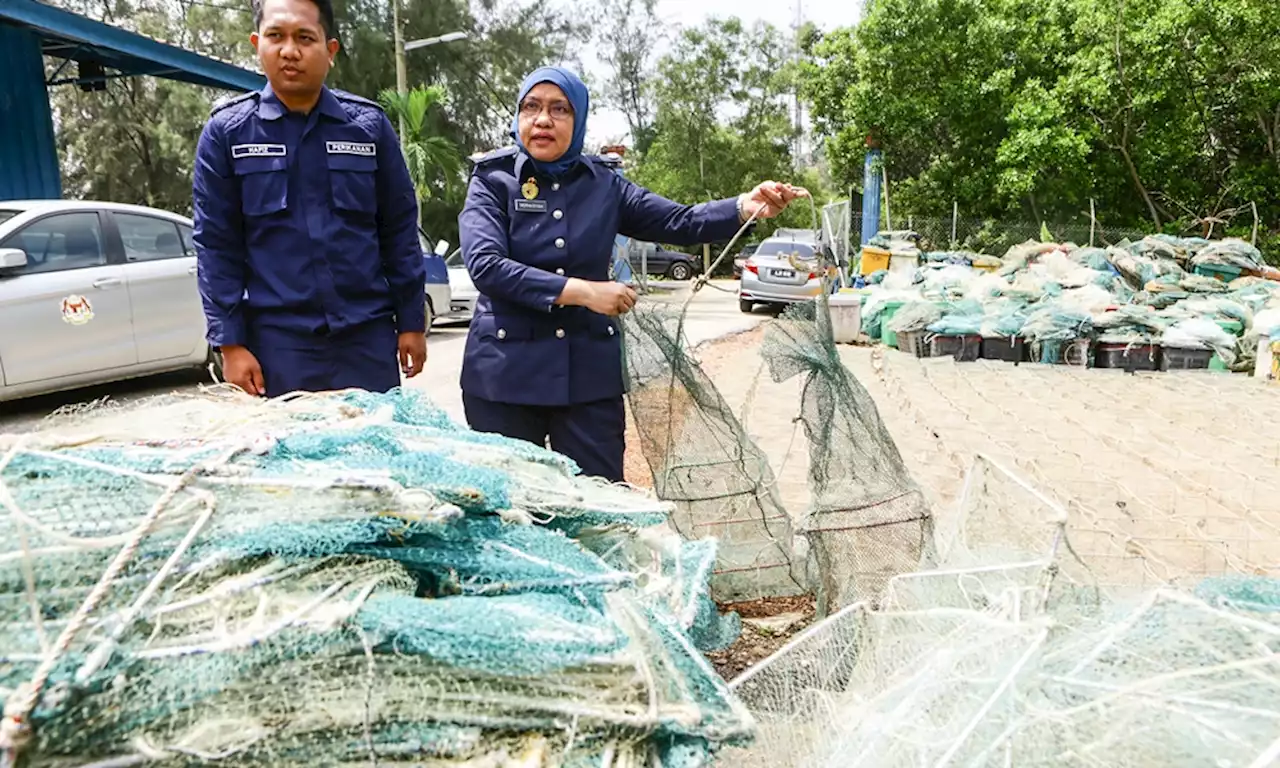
(713,313)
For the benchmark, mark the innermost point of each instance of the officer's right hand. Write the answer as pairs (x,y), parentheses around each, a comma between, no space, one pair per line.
(610,298)
(241,368)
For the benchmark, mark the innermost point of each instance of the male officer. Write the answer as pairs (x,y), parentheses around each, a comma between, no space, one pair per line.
(543,360)
(310,268)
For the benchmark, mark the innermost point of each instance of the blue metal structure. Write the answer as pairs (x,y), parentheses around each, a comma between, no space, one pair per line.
(871,178)
(96,53)
(621,269)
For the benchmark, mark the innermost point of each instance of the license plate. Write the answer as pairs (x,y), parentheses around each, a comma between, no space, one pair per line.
(788,273)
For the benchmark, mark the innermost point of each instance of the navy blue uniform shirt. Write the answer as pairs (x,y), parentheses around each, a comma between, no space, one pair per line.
(523,236)
(305,223)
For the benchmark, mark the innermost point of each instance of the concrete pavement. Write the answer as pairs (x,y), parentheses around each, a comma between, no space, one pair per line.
(712,314)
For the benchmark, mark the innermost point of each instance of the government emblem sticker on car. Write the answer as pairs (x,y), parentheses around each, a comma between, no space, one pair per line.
(76,310)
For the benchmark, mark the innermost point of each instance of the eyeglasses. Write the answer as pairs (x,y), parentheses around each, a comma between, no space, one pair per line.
(559,110)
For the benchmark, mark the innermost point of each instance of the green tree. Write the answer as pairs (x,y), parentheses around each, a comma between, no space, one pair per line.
(722,122)
(435,165)
(627,33)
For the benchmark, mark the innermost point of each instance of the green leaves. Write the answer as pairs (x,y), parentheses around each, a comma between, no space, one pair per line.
(723,121)
(1159,109)
(434,162)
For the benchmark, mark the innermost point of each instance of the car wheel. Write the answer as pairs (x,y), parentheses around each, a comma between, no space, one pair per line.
(681,271)
(431,316)
(745,305)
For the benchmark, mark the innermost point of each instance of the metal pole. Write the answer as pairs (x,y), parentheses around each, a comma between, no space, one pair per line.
(955,215)
(1255,224)
(644,269)
(402,76)
(888,219)
(1093,220)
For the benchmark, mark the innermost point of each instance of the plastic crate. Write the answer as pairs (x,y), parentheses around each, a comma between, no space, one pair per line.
(1175,359)
(873,260)
(890,338)
(1055,352)
(965,349)
(1014,350)
(1127,357)
(915,343)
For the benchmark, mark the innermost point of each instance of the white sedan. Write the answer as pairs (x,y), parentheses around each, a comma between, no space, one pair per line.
(94,292)
(462,292)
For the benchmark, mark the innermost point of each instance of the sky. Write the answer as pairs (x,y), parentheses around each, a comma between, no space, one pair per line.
(607,125)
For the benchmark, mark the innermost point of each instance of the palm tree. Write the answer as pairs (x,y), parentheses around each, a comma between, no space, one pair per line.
(435,164)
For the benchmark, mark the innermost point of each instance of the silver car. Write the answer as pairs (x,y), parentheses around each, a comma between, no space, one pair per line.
(463,293)
(93,292)
(770,275)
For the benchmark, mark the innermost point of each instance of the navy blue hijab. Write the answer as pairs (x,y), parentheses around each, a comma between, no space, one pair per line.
(576,91)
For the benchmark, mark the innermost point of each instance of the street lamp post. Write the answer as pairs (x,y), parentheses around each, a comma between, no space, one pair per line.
(402,75)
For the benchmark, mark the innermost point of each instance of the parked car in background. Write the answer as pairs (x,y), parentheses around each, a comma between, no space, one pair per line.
(770,277)
(437,290)
(93,292)
(463,293)
(657,260)
(740,262)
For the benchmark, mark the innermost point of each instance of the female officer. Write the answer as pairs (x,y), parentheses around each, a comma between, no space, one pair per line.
(543,359)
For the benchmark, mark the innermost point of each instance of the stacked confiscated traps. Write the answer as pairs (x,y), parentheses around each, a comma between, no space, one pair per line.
(342,578)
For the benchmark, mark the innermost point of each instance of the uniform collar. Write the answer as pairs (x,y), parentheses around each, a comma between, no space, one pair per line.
(271,108)
(523,161)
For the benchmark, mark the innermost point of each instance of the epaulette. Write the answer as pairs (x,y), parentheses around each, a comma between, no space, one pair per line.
(479,159)
(346,96)
(223,103)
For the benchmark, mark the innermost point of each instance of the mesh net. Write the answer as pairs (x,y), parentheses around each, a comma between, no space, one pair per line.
(703,462)
(868,521)
(1007,653)
(343,578)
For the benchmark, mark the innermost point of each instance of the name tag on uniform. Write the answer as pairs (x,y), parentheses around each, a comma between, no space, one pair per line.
(531,206)
(351,148)
(257,150)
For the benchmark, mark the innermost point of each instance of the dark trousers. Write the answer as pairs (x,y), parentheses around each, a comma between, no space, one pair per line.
(364,357)
(592,434)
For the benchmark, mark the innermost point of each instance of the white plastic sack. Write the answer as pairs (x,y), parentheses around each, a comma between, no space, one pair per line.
(1198,333)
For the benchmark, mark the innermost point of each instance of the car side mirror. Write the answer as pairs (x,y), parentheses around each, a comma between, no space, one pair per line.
(12,258)
(442,247)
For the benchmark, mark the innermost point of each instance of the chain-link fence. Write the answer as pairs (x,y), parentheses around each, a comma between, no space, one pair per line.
(940,233)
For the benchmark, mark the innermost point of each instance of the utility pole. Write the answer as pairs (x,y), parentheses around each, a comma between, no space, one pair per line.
(795,42)
(402,75)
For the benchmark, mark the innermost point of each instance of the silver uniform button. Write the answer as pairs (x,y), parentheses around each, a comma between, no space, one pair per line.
(559,333)
(559,242)
(557,214)
(560,271)
(555,186)
(611,330)
(502,333)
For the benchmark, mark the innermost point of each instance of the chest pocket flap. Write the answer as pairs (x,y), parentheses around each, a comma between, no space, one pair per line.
(264,184)
(353,178)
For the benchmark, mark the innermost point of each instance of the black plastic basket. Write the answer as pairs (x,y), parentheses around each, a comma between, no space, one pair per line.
(965,349)
(914,343)
(1175,359)
(1127,357)
(1012,350)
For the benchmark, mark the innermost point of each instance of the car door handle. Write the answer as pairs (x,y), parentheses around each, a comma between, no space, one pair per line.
(192,270)
(107,282)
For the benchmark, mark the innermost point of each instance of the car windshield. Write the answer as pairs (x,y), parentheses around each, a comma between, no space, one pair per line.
(455,258)
(785,248)
(6,215)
